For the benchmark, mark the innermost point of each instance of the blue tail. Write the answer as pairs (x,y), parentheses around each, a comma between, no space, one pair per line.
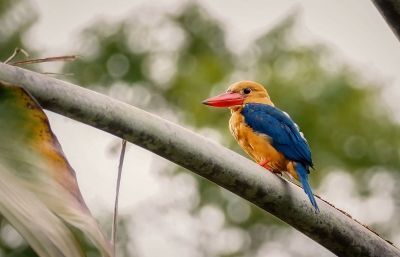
(303,176)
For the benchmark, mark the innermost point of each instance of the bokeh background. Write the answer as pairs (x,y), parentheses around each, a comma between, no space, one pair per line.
(333,66)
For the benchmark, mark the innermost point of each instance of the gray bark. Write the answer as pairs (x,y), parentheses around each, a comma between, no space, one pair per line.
(331,228)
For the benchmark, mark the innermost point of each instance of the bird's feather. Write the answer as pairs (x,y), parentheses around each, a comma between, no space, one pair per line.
(285,138)
(274,123)
(302,174)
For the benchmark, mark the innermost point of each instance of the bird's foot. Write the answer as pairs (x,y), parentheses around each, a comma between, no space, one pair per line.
(266,165)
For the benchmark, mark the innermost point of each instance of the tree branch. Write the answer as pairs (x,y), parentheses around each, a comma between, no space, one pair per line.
(331,228)
(390,10)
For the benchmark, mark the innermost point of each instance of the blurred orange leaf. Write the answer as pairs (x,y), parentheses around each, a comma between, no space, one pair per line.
(39,194)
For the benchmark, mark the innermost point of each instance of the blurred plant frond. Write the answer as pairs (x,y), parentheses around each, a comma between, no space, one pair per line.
(39,194)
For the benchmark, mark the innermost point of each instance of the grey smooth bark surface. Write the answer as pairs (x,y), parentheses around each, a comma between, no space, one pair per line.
(331,228)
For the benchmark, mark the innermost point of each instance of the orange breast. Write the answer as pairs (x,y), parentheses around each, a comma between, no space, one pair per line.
(256,145)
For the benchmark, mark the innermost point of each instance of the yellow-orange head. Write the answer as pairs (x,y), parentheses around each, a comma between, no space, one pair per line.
(239,94)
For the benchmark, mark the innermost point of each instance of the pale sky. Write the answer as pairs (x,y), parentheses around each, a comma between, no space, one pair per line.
(353,29)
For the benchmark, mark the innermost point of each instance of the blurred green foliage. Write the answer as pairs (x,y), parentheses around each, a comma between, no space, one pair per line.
(16,17)
(176,60)
(338,111)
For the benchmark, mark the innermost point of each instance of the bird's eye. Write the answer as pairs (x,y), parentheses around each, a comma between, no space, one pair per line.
(246,91)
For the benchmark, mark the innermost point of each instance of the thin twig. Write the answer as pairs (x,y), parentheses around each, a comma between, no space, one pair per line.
(115,216)
(58,74)
(48,59)
(16,51)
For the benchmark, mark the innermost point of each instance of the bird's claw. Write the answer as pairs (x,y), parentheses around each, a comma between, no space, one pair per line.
(265,165)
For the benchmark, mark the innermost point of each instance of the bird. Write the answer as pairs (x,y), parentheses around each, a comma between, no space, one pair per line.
(266,133)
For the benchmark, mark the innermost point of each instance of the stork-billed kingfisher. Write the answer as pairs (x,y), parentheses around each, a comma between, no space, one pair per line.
(266,133)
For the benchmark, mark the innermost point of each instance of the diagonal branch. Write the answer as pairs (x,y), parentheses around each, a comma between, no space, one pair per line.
(390,10)
(331,228)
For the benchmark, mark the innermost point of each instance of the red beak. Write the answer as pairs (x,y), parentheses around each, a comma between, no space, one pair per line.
(227,99)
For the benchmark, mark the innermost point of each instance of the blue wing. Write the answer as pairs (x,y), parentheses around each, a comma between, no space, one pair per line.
(285,135)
